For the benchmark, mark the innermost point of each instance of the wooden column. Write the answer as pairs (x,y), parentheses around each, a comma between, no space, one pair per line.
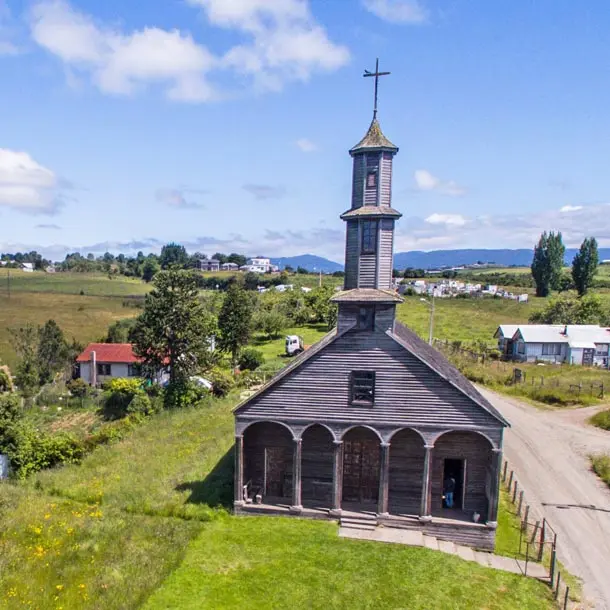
(239,470)
(494,487)
(384,479)
(296,476)
(337,478)
(424,509)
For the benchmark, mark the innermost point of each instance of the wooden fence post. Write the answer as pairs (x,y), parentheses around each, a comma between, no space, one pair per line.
(535,533)
(565,599)
(504,471)
(510,480)
(526,516)
(558,583)
(552,568)
(520,503)
(542,534)
(515,491)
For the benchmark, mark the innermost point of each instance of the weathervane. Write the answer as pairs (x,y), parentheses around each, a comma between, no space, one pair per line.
(376,74)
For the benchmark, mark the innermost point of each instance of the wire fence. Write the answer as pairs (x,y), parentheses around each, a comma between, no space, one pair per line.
(537,538)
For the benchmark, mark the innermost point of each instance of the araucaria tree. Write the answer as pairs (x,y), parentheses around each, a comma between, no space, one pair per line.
(584,265)
(53,351)
(175,330)
(235,321)
(548,263)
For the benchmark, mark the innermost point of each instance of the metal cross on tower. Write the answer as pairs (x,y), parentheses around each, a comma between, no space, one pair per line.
(376,74)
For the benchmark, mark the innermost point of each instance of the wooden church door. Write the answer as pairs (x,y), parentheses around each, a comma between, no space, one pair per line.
(275,465)
(361,465)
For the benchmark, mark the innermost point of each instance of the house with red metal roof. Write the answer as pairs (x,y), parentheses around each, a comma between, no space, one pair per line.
(102,361)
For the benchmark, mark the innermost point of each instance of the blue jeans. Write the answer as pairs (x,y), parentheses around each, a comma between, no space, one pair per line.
(449,499)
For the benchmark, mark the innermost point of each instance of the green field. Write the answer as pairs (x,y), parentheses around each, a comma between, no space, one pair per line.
(144,523)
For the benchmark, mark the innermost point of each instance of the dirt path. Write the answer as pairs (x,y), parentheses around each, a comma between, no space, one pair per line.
(548,451)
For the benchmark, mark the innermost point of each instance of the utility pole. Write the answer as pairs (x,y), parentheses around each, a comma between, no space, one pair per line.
(320,280)
(8,282)
(431,331)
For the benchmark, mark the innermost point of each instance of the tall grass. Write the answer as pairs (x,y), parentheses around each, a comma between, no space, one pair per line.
(601,466)
(601,420)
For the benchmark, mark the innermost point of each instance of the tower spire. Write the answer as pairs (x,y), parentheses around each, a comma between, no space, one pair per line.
(376,74)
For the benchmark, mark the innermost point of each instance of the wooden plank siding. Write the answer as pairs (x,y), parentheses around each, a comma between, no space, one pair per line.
(367,271)
(386,247)
(371,192)
(476,450)
(384,317)
(352,254)
(407,392)
(258,438)
(385,194)
(317,467)
(358,181)
(406,472)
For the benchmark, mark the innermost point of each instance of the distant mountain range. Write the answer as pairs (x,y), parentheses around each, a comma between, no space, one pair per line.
(311,262)
(434,259)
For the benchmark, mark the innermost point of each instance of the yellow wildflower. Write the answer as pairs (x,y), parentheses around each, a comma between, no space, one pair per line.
(59,587)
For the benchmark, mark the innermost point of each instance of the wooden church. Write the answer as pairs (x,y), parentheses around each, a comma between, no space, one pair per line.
(372,421)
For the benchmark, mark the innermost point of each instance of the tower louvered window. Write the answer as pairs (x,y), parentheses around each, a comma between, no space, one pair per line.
(369,237)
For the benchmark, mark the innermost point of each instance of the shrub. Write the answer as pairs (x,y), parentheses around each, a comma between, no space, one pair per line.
(5,382)
(182,394)
(140,405)
(119,394)
(33,450)
(601,419)
(249,379)
(251,359)
(222,382)
(110,433)
(78,387)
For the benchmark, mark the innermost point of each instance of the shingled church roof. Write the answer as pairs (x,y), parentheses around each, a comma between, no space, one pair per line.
(374,139)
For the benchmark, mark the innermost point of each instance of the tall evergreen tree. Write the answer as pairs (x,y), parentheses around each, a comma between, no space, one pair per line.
(175,329)
(584,265)
(547,263)
(235,321)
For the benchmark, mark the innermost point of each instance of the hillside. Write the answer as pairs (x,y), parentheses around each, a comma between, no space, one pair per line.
(311,262)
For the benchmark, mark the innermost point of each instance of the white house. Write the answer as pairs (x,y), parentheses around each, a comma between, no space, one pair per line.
(27,267)
(229,267)
(259,264)
(573,344)
(100,362)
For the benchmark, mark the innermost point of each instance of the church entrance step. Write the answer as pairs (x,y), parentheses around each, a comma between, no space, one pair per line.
(364,523)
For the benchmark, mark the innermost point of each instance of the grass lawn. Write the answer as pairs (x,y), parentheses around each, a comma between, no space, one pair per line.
(286,563)
(509,524)
(601,420)
(601,467)
(467,320)
(144,519)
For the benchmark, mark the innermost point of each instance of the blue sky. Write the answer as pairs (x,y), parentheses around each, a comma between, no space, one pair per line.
(225,124)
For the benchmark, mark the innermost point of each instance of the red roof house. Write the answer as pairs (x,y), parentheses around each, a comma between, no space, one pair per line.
(110,353)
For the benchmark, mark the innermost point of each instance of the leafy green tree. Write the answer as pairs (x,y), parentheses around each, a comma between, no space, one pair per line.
(238,259)
(319,303)
(173,255)
(586,310)
(272,323)
(150,268)
(25,343)
(250,359)
(53,351)
(584,265)
(235,321)
(120,331)
(547,263)
(5,382)
(302,270)
(175,329)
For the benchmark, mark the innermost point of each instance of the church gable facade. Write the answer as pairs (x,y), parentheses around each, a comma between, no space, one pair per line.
(372,420)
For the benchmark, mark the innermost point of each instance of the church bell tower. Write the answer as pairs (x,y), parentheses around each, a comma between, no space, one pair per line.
(370,222)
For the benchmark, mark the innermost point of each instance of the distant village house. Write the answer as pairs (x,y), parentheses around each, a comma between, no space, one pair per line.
(585,345)
(209,264)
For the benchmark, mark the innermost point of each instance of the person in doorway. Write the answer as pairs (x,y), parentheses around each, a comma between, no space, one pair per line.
(448,491)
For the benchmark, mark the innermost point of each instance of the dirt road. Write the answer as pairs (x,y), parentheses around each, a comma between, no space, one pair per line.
(548,451)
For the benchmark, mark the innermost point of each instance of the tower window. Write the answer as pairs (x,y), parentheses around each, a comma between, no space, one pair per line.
(366,318)
(371,179)
(369,237)
(363,387)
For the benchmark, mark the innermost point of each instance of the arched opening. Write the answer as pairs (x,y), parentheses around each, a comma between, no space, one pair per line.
(317,467)
(460,467)
(406,472)
(361,464)
(268,450)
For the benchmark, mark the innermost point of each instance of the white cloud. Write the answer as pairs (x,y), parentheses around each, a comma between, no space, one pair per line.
(179,198)
(503,231)
(456,220)
(8,48)
(571,208)
(118,63)
(425,181)
(397,11)
(306,145)
(282,43)
(25,185)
